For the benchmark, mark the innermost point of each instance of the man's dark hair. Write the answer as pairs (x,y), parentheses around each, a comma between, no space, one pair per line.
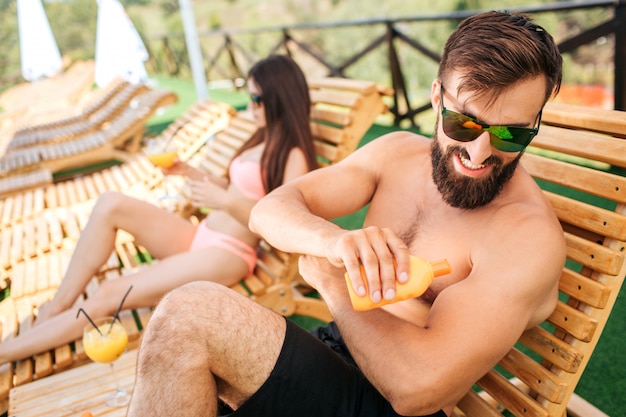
(494,50)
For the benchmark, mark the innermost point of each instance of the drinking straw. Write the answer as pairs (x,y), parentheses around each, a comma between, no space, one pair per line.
(88,318)
(117,312)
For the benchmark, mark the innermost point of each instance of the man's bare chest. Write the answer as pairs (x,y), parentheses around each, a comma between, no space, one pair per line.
(431,233)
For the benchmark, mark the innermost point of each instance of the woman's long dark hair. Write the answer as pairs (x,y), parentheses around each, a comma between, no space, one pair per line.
(287,107)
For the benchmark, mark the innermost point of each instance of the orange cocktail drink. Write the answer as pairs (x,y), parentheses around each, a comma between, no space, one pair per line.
(164,159)
(107,342)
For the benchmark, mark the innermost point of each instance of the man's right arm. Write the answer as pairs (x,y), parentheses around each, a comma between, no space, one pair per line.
(295,217)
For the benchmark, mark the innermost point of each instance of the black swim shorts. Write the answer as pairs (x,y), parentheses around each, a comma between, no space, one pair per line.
(315,376)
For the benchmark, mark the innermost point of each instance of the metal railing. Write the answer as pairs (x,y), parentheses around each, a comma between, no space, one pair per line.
(227,54)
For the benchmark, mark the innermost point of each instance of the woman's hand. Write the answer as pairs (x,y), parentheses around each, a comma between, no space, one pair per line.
(178,168)
(183,168)
(205,193)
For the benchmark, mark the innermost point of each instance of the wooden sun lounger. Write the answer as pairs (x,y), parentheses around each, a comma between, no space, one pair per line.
(105,103)
(40,228)
(23,182)
(34,282)
(92,102)
(576,157)
(50,95)
(123,132)
(135,175)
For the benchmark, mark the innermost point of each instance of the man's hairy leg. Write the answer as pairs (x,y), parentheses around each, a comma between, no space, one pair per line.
(202,341)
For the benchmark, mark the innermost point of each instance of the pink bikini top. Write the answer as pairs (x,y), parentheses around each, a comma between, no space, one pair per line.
(246,176)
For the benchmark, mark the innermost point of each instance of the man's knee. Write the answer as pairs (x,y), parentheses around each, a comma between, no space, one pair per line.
(189,296)
(180,308)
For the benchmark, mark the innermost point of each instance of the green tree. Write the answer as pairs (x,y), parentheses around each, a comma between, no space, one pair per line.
(10,56)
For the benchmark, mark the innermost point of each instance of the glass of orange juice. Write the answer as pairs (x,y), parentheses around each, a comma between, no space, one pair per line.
(105,342)
(162,153)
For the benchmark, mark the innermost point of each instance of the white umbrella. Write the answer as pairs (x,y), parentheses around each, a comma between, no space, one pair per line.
(39,53)
(119,48)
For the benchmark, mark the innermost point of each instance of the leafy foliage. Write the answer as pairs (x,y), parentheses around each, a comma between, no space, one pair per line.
(73,23)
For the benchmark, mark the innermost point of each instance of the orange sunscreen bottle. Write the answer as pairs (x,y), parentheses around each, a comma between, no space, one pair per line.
(422,275)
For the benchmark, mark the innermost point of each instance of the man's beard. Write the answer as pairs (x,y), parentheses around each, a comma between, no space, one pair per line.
(466,192)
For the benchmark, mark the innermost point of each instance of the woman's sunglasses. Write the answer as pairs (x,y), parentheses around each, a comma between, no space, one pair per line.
(256,99)
(463,128)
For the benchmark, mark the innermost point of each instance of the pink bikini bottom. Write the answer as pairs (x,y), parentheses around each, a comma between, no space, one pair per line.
(208,238)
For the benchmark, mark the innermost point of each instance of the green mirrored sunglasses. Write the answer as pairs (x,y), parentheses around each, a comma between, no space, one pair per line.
(464,128)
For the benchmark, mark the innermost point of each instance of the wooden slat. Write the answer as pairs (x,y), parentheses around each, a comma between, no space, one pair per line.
(584,289)
(333,116)
(27,206)
(7,212)
(80,189)
(17,239)
(44,270)
(325,152)
(24,369)
(328,133)
(583,117)
(474,406)
(535,376)
(513,399)
(335,98)
(552,349)
(229,139)
(18,273)
(592,255)
(595,147)
(594,182)
(346,84)
(30,247)
(595,219)
(5,248)
(8,317)
(575,322)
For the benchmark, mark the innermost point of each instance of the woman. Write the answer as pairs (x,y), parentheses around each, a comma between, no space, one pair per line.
(220,249)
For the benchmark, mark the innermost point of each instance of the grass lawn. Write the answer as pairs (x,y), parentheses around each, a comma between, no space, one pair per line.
(604,381)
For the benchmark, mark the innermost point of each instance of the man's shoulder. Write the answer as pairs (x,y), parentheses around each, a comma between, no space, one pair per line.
(405,136)
(526,212)
(399,140)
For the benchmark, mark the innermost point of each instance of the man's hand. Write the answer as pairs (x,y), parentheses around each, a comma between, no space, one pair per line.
(382,254)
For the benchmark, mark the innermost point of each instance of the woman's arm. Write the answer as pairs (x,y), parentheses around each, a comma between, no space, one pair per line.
(183,168)
(207,193)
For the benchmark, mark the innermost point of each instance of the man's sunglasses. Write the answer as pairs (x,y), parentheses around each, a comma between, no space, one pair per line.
(463,128)
(256,99)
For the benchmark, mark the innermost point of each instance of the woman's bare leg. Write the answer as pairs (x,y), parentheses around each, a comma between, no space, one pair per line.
(149,285)
(204,340)
(162,233)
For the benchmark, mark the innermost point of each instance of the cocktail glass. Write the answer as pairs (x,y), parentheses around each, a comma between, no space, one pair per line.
(105,343)
(163,153)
